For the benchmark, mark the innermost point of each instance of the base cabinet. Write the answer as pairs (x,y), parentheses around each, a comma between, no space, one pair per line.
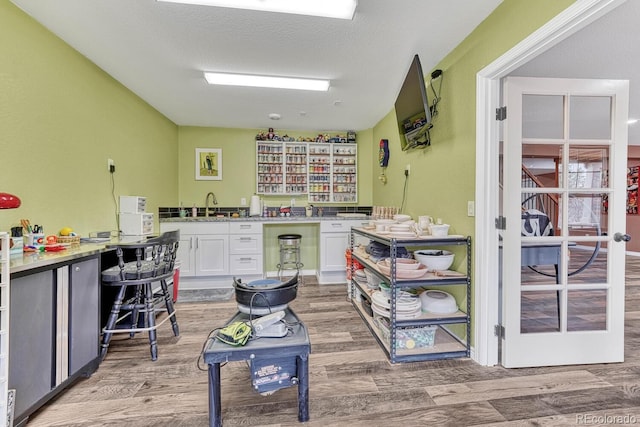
(203,249)
(55,331)
(334,241)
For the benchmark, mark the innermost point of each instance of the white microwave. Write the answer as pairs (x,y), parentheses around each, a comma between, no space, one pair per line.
(136,224)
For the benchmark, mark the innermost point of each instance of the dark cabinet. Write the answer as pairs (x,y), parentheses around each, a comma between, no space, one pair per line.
(31,339)
(84,316)
(54,331)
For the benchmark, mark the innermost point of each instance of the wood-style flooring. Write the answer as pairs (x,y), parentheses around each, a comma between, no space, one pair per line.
(351,381)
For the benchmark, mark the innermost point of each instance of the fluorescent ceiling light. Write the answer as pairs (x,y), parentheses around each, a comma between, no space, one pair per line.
(342,9)
(266,81)
(632,121)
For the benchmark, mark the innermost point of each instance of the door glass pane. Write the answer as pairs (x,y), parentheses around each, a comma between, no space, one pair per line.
(587,310)
(587,263)
(539,312)
(542,116)
(539,165)
(590,117)
(588,167)
(586,214)
(540,214)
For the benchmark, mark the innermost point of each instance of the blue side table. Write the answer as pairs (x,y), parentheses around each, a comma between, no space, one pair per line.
(295,346)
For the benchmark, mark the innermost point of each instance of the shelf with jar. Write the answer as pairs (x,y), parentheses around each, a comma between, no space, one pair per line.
(281,168)
(326,172)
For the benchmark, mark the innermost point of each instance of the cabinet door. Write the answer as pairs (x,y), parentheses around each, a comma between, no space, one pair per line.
(84,322)
(212,255)
(186,255)
(31,341)
(332,255)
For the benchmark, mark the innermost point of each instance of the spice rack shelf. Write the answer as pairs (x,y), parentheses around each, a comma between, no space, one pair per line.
(325,172)
(452,331)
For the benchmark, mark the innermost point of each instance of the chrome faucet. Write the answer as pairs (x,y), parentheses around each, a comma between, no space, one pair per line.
(206,202)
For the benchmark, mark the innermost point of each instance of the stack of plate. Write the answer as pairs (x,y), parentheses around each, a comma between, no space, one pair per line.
(407,305)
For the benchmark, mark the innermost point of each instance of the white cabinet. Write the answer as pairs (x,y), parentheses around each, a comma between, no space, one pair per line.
(245,248)
(334,241)
(203,249)
(281,168)
(326,171)
(333,173)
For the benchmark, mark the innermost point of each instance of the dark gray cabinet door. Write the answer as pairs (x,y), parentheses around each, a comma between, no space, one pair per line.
(31,340)
(84,314)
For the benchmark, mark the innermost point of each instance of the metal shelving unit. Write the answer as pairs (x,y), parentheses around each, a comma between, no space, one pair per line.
(448,344)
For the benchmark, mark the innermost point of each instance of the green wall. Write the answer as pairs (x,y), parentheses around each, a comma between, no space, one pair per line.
(239,165)
(442,177)
(61,118)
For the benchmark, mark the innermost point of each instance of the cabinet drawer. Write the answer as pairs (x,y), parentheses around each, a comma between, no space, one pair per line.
(246,264)
(245,244)
(335,226)
(245,228)
(196,227)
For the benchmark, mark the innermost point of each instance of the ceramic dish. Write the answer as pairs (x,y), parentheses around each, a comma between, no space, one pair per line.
(438,302)
(400,227)
(401,217)
(402,263)
(435,259)
(402,274)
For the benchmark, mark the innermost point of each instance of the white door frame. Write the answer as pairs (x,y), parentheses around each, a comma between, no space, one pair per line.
(486,269)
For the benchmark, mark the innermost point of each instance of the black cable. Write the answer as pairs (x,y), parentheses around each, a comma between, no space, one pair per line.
(404,192)
(210,337)
(115,203)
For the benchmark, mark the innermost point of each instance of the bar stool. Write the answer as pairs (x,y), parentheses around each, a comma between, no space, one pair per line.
(136,303)
(289,254)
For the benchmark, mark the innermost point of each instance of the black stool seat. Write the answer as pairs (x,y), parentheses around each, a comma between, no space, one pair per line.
(154,263)
(289,236)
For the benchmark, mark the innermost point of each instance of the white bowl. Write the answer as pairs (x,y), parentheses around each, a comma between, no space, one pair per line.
(439,230)
(434,259)
(402,217)
(438,302)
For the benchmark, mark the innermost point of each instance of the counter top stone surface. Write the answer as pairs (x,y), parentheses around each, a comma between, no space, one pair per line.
(263,219)
(32,260)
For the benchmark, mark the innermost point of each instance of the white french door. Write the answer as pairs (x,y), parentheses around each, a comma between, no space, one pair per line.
(564,195)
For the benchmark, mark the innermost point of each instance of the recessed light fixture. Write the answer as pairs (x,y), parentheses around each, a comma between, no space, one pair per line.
(266,81)
(341,9)
(274,116)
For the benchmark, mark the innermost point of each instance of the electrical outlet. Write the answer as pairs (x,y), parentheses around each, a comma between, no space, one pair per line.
(243,201)
(407,170)
(471,208)
(111,166)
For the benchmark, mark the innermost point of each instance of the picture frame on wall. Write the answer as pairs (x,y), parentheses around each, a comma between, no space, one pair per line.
(209,164)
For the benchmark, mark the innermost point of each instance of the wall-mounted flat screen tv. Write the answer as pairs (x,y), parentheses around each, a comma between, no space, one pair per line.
(412,109)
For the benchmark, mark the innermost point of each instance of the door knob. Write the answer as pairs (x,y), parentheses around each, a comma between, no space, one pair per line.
(619,237)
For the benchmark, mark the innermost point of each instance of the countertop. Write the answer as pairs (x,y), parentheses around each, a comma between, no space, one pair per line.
(32,260)
(279,219)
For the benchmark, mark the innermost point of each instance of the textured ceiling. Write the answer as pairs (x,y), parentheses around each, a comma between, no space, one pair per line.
(159,51)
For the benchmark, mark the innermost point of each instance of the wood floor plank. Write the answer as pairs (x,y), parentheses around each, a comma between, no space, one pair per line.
(520,386)
(352,382)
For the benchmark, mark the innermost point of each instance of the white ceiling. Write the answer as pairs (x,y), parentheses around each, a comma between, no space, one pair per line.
(159,51)
(606,49)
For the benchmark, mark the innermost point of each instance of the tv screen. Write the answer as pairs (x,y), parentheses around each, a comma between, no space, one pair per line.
(412,109)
